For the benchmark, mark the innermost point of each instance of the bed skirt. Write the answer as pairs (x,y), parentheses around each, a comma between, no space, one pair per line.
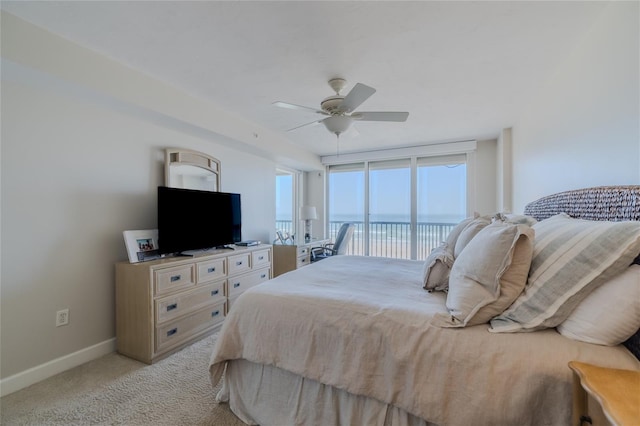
(294,400)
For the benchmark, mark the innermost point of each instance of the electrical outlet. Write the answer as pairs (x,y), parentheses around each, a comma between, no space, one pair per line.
(62,317)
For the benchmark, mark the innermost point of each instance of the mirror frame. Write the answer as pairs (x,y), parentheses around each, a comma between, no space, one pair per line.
(184,157)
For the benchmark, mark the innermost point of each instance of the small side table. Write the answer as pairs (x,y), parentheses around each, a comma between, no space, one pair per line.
(289,257)
(609,391)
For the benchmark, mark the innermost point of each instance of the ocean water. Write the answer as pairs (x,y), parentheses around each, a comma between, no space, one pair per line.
(399,218)
(448,218)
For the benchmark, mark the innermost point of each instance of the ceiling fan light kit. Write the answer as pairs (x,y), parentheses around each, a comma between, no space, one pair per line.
(340,108)
(337,124)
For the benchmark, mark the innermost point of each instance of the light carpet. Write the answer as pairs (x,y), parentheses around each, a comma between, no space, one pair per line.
(116,390)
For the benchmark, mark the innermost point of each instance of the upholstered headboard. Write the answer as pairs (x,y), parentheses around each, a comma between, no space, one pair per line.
(613,203)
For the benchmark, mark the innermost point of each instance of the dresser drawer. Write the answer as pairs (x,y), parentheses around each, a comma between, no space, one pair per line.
(303,261)
(260,258)
(211,270)
(237,285)
(302,251)
(239,264)
(177,305)
(178,331)
(167,280)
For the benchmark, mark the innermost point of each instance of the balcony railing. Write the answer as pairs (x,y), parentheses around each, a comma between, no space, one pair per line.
(390,239)
(284,226)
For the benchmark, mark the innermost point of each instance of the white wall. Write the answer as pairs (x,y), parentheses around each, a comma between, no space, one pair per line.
(485,177)
(81,160)
(583,129)
(504,171)
(74,176)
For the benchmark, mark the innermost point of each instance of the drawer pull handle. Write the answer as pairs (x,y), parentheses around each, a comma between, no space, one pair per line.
(236,285)
(175,278)
(172,306)
(210,270)
(172,331)
(263,276)
(261,258)
(215,313)
(239,263)
(214,292)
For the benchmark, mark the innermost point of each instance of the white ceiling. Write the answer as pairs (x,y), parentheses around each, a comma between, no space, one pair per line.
(464,70)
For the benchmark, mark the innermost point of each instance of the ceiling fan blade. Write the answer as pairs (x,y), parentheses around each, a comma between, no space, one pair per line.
(357,95)
(306,124)
(380,116)
(299,107)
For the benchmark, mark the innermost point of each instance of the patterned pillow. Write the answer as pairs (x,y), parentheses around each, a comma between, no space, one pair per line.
(489,275)
(571,257)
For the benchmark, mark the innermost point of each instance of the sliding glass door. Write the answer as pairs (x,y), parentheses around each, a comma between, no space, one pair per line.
(441,199)
(346,197)
(390,209)
(402,208)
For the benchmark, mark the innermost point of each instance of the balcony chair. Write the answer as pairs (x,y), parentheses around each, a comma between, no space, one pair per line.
(340,246)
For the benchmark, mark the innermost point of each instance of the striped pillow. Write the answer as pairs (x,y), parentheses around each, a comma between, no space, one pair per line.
(571,257)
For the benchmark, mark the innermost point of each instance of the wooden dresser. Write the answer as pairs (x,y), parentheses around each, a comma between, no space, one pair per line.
(167,304)
(289,257)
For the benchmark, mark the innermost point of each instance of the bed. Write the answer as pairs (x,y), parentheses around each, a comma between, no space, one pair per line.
(356,340)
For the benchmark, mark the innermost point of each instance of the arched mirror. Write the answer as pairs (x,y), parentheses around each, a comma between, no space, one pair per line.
(191,170)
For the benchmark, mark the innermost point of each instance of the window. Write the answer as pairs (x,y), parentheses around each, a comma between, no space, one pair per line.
(285,202)
(401,208)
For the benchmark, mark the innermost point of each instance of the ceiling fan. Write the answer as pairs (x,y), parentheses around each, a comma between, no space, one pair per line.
(339,110)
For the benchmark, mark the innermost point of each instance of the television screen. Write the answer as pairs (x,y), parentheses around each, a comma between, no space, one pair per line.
(195,220)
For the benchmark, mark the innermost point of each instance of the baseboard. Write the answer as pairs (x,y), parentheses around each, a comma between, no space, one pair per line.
(48,369)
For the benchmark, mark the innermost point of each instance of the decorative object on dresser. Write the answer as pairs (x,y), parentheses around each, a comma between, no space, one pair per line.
(142,245)
(287,257)
(308,213)
(164,305)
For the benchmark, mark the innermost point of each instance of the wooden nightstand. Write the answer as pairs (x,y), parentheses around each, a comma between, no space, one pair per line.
(289,257)
(605,395)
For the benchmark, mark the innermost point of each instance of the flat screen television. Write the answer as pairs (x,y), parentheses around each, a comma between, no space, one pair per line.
(190,220)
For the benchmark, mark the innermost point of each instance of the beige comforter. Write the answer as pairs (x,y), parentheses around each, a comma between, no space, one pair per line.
(362,324)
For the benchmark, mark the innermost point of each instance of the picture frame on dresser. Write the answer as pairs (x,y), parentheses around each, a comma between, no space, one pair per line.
(142,245)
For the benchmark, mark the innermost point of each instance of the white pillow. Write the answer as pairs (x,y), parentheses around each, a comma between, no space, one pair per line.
(610,314)
(571,257)
(488,275)
(435,273)
(436,269)
(467,234)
